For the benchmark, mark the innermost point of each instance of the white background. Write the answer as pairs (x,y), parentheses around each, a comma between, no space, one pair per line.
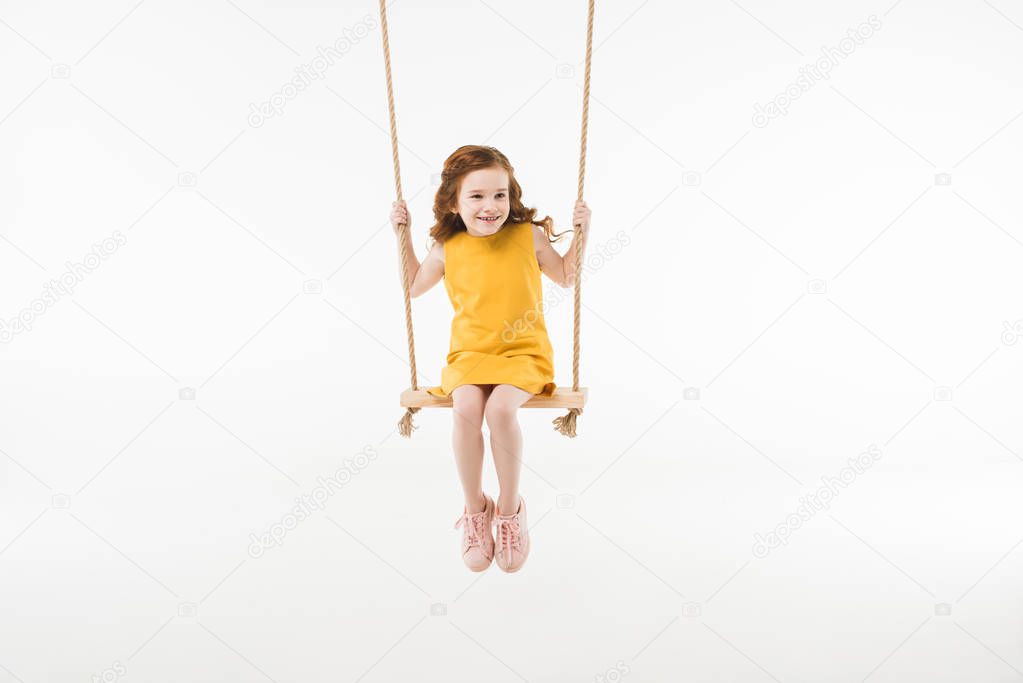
(808,280)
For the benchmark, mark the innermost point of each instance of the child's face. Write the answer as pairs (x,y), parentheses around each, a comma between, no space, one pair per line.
(483,195)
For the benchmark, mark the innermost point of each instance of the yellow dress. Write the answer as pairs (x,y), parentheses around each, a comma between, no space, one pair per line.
(498,335)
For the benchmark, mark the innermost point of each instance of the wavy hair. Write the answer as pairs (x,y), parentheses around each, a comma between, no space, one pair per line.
(463,161)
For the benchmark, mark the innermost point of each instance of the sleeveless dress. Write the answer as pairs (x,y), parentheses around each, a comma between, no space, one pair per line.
(498,334)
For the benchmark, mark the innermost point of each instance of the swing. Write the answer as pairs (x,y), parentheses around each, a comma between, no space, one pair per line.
(415,398)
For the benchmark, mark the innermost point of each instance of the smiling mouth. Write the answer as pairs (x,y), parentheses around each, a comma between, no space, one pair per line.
(490,219)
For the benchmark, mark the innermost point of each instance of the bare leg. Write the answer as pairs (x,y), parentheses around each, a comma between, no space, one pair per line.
(501,412)
(467,440)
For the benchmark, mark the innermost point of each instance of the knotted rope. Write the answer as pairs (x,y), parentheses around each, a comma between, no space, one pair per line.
(566,423)
(405,425)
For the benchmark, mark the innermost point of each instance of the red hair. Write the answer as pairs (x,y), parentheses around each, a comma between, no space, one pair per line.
(463,161)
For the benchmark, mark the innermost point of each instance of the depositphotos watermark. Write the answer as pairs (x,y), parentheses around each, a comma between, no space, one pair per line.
(315,70)
(307,504)
(614,673)
(1012,332)
(62,286)
(818,500)
(110,674)
(812,73)
(594,261)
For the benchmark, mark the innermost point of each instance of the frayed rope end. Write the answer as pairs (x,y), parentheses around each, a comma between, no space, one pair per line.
(566,423)
(405,425)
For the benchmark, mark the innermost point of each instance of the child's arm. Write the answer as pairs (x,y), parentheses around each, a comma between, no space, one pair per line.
(561,269)
(431,272)
(553,264)
(423,276)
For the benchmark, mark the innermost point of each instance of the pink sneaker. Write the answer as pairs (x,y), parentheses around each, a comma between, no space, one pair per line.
(512,539)
(477,539)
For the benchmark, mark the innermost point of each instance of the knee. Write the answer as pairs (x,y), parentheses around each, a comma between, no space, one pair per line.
(468,418)
(499,415)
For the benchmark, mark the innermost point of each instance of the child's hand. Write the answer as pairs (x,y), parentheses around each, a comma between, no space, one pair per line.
(581,217)
(399,215)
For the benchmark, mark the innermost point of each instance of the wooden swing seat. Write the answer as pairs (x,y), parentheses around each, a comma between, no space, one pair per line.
(562,398)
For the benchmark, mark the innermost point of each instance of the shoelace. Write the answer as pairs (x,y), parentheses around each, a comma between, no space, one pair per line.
(509,535)
(473,527)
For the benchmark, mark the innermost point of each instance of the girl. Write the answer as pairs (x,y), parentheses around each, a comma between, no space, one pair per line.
(490,252)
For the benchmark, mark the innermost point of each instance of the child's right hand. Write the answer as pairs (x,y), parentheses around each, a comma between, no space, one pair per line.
(399,215)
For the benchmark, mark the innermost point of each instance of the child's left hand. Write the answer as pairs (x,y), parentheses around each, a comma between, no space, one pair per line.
(581,217)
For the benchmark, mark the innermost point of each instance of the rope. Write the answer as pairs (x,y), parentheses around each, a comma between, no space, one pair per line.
(566,423)
(405,425)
